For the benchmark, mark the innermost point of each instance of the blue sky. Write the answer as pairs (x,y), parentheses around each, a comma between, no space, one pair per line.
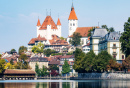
(18,18)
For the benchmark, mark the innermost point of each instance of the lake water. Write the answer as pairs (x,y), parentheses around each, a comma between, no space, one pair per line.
(65,84)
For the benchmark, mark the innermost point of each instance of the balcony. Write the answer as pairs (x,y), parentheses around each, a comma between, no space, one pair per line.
(114,53)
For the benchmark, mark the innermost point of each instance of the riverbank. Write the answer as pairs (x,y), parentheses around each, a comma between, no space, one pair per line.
(87,76)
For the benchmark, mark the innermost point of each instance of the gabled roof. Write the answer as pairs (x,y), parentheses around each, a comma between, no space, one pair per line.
(38,23)
(39,38)
(83,31)
(72,15)
(57,41)
(48,21)
(67,56)
(58,22)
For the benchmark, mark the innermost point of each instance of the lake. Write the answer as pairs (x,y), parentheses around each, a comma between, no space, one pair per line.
(65,84)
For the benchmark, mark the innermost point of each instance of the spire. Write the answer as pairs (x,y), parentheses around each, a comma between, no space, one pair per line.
(38,23)
(58,22)
(72,15)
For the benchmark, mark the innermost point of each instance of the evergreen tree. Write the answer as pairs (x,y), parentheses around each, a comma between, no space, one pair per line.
(125,38)
(65,67)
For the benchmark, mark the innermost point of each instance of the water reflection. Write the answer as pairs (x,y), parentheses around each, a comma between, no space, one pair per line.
(71,84)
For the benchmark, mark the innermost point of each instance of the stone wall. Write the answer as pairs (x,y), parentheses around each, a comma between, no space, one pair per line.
(104,75)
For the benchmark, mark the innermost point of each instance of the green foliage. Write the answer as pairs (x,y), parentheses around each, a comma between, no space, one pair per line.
(62,38)
(53,67)
(65,67)
(90,62)
(53,54)
(2,65)
(22,49)
(111,29)
(79,60)
(41,72)
(12,51)
(38,48)
(22,64)
(11,62)
(125,38)
(76,39)
(48,52)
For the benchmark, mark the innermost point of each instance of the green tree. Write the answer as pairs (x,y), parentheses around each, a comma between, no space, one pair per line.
(11,62)
(37,70)
(102,60)
(76,39)
(22,62)
(125,38)
(111,29)
(53,67)
(35,49)
(65,67)
(12,51)
(89,60)
(43,71)
(2,65)
(79,61)
(89,32)
(22,49)
(48,52)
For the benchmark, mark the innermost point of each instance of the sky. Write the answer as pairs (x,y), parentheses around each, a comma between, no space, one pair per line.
(18,18)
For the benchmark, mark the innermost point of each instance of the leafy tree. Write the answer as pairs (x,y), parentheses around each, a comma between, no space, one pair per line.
(22,49)
(89,61)
(48,52)
(9,66)
(62,38)
(23,64)
(11,62)
(35,49)
(2,65)
(102,60)
(43,71)
(79,60)
(89,32)
(37,70)
(39,48)
(12,51)
(125,38)
(53,67)
(111,29)
(76,39)
(65,67)
(126,63)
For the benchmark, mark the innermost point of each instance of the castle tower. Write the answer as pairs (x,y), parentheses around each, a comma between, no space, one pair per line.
(73,21)
(38,26)
(59,27)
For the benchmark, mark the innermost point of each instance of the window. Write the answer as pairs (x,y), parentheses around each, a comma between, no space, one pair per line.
(73,24)
(122,56)
(70,24)
(114,38)
(114,45)
(114,56)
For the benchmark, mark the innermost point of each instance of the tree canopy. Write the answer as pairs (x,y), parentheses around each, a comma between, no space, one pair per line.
(125,38)
(22,49)
(76,39)
(38,48)
(126,63)
(65,67)
(111,29)
(2,65)
(12,51)
(90,62)
(48,52)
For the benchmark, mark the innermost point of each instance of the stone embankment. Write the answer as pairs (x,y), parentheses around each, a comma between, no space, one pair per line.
(82,76)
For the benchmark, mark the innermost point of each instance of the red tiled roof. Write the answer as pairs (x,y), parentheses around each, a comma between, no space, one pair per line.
(72,15)
(48,21)
(38,23)
(57,41)
(67,56)
(39,38)
(54,62)
(58,22)
(83,31)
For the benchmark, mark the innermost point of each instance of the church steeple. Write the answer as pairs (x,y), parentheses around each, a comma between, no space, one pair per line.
(38,23)
(72,15)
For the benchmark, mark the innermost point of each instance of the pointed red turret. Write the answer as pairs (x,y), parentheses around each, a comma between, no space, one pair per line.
(72,15)
(58,22)
(38,23)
